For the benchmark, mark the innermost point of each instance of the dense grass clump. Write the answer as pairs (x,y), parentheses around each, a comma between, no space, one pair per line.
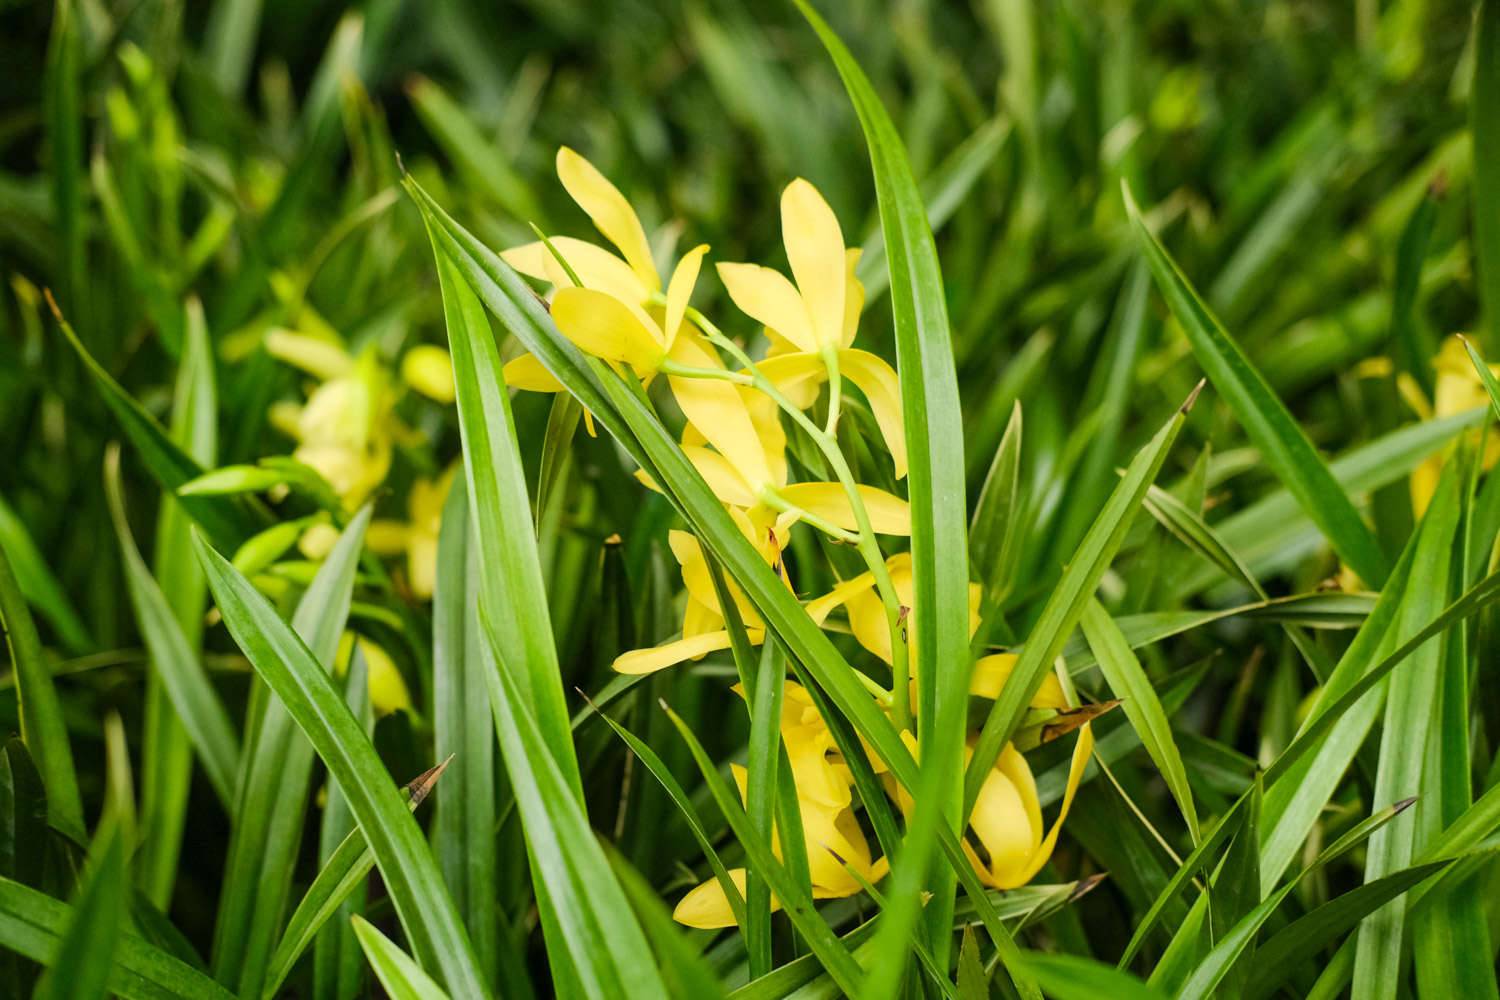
(717,499)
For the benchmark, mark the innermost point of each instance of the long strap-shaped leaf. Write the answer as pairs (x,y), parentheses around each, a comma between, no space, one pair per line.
(939,537)
(512,594)
(1266,420)
(406,864)
(275,774)
(32,924)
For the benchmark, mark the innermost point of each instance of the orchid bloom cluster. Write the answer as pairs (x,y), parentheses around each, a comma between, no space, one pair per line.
(611,304)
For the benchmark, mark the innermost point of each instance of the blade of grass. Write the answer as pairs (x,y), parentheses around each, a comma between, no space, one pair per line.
(1128,680)
(939,538)
(274,781)
(338,966)
(193,697)
(684,971)
(33,925)
(1265,418)
(79,968)
(402,978)
(42,726)
(763,763)
(464,822)
(1484,122)
(406,864)
(39,585)
(341,875)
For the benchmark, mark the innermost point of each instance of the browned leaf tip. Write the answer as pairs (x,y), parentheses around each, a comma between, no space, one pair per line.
(52,304)
(1084,886)
(1187,405)
(1397,808)
(1070,719)
(421,786)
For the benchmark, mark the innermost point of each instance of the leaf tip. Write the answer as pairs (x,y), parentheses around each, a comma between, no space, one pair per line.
(1397,808)
(1187,404)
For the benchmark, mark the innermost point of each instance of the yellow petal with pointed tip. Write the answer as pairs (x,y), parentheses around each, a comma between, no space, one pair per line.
(526,372)
(766,296)
(991,672)
(595,266)
(611,213)
(882,389)
(648,661)
(607,328)
(707,908)
(1082,750)
(854,297)
(1002,821)
(820,608)
(529,258)
(718,411)
(889,515)
(680,290)
(815,249)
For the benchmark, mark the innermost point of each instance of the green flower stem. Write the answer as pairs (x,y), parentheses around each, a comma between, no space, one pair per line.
(688,371)
(869,549)
(775,500)
(835,389)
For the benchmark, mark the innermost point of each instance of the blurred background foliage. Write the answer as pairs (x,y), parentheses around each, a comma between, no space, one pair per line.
(243,155)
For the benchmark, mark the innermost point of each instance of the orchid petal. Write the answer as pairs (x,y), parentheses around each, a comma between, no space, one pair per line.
(607,328)
(680,290)
(878,381)
(767,296)
(611,213)
(815,249)
(889,514)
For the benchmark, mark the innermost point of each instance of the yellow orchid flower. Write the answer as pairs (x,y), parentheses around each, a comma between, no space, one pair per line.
(703,629)
(860,601)
(830,829)
(1457,388)
(812,324)
(417,536)
(428,369)
(382,677)
(613,311)
(345,430)
(746,466)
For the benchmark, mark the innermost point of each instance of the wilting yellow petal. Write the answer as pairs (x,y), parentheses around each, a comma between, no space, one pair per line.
(428,369)
(877,380)
(707,908)
(815,249)
(889,515)
(654,658)
(528,373)
(611,213)
(765,295)
(1082,750)
(680,290)
(854,297)
(607,328)
(798,376)
(717,409)
(1003,823)
(320,358)
(991,672)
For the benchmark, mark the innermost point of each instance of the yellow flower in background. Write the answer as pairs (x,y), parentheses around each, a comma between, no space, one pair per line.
(345,431)
(812,324)
(613,313)
(1457,389)
(429,370)
(417,536)
(830,829)
(382,677)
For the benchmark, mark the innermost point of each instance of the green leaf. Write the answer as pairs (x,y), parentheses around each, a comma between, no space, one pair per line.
(1281,441)
(341,875)
(274,781)
(338,965)
(1128,680)
(406,864)
(1411,713)
(1491,384)
(172,657)
(1072,977)
(65,124)
(38,583)
(463,830)
(42,725)
(227,522)
(996,530)
(1306,937)
(484,166)
(1065,605)
(763,763)
(684,971)
(33,924)
(402,978)
(79,968)
(512,594)
(939,539)
(1484,122)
